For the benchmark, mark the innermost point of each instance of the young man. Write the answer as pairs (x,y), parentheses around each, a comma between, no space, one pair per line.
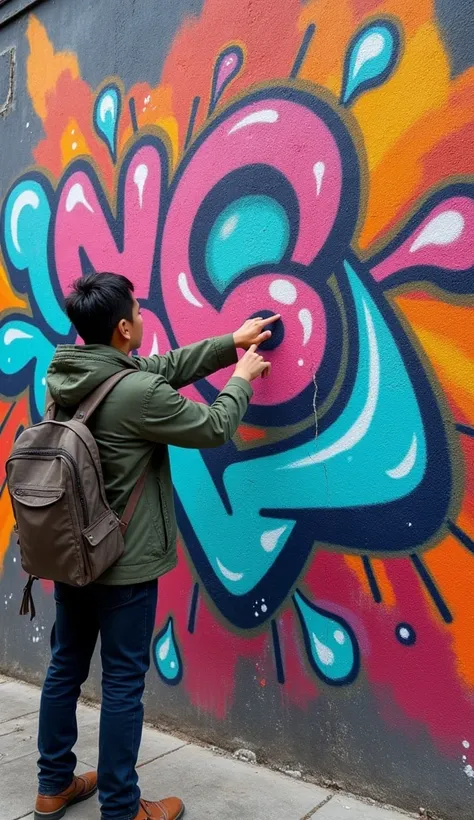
(138,419)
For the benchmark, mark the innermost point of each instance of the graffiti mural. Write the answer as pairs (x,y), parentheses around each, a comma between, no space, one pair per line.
(327,179)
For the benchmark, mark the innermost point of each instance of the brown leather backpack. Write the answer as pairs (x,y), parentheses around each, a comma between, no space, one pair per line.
(66,529)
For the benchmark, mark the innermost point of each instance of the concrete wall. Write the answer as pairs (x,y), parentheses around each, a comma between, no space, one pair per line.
(240,156)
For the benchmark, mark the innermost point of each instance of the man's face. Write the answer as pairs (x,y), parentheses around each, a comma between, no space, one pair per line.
(136,327)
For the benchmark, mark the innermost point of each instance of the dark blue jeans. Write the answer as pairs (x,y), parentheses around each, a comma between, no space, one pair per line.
(124,618)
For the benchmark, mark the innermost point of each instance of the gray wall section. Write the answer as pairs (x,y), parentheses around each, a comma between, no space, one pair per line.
(341,736)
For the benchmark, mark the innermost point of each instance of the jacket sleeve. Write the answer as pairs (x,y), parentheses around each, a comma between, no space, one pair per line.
(189,364)
(167,417)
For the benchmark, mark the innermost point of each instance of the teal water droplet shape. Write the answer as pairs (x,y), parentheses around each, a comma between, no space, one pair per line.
(107,110)
(167,655)
(330,642)
(253,230)
(371,58)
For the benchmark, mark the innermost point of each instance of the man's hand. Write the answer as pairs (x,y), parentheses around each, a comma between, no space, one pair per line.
(252,365)
(253,331)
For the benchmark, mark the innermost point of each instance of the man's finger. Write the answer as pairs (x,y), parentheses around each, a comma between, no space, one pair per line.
(252,348)
(270,319)
(263,336)
(267,371)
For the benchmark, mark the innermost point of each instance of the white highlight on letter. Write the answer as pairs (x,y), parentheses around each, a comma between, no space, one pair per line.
(266,115)
(442,230)
(76,196)
(407,463)
(186,292)
(231,576)
(139,178)
(27,198)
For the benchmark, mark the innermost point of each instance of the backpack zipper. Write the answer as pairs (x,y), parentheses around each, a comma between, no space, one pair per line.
(25,452)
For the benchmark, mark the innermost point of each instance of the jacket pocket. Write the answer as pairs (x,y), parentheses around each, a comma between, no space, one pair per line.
(156,500)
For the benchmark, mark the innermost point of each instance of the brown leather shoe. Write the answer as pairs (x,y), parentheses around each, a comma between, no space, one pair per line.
(170,809)
(52,808)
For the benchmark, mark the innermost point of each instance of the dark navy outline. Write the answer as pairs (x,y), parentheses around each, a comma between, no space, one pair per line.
(193,609)
(280,669)
(461,536)
(132,107)
(303,50)
(372,580)
(432,589)
(192,120)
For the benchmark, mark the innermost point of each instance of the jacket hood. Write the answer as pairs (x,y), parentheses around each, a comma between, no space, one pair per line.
(76,370)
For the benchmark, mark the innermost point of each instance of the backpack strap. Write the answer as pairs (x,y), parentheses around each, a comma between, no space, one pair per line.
(134,498)
(50,412)
(92,401)
(83,414)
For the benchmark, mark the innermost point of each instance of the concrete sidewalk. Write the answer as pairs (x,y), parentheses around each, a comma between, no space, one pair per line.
(213,785)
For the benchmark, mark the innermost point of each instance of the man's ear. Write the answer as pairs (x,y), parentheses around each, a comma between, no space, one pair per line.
(123,329)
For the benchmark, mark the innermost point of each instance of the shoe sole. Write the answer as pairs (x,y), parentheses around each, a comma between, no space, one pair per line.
(56,815)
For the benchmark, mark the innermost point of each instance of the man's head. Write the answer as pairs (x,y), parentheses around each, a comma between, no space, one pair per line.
(103,310)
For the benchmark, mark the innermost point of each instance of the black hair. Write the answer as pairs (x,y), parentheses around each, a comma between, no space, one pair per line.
(97,303)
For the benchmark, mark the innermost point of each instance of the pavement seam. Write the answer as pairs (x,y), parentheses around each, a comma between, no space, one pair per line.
(19,717)
(319,806)
(19,757)
(164,754)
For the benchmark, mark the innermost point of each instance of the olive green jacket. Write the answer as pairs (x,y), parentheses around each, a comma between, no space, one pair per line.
(138,419)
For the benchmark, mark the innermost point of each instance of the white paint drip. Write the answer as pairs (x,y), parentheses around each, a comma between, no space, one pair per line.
(306,320)
(227,573)
(76,196)
(12,334)
(466,744)
(407,463)
(26,199)
(186,292)
(270,538)
(164,649)
(469,770)
(325,654)
(444,229)
(283,291)
(140,177)
(361,425)
(339,637)
(319,169)
(266,115)
(369,49)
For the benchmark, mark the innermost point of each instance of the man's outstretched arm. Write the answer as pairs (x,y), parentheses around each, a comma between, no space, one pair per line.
(189,364)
